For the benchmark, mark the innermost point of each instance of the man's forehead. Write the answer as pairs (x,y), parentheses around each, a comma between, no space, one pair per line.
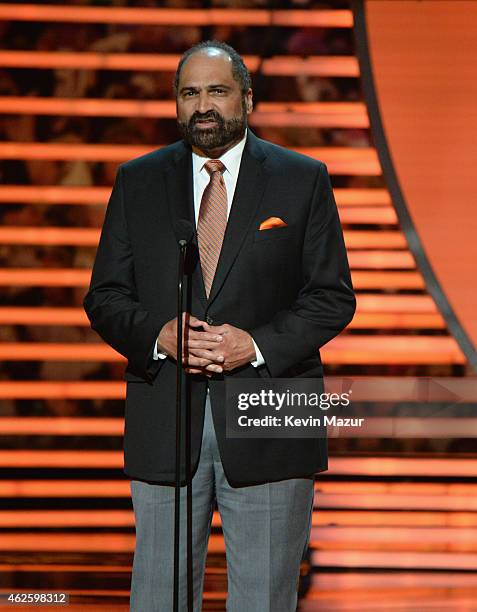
(208,62)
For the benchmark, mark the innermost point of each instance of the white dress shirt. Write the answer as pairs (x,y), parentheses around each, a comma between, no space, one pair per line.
(231,160)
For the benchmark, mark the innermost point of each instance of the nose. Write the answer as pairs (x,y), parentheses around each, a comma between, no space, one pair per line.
(204,103)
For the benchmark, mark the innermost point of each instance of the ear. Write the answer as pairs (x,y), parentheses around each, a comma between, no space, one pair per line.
(249,101)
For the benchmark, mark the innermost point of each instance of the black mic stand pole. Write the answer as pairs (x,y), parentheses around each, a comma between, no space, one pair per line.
(179,371)
(190,578)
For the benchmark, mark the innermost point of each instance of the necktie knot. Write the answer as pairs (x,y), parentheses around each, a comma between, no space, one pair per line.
(214,165)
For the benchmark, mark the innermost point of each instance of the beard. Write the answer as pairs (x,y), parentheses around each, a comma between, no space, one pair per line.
(217,137)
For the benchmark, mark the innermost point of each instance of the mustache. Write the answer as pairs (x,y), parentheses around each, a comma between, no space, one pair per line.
(209,116)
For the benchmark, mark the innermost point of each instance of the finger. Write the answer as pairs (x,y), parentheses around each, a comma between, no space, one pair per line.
(212,356)
(209,337)
(201,371)
(195,322)
(217,369)
(194,370)
(192,361)
(201,344)
(201,352)
(191,322)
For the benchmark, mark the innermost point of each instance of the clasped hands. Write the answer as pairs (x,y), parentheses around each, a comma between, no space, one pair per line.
(207,349)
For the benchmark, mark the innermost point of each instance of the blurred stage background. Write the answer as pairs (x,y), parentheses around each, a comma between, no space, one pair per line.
(385,94)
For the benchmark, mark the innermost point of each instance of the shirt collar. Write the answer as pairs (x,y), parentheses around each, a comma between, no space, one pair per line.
(231,159)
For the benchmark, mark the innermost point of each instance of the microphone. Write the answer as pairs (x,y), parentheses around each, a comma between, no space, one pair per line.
(185,230)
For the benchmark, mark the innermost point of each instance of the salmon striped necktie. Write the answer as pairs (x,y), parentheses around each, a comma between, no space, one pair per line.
(212,221)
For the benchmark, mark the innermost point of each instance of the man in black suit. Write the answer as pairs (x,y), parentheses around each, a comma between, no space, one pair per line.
(268,284)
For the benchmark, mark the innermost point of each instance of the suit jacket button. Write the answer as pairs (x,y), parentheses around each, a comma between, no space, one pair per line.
(209,320)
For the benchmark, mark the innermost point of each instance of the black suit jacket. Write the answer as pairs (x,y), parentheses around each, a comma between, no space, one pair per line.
(290,287)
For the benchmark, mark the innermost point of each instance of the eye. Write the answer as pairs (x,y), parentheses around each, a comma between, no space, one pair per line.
(218,90)
(189,93)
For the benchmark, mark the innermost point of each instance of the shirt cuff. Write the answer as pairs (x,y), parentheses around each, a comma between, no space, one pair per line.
(156,355)
(259,361)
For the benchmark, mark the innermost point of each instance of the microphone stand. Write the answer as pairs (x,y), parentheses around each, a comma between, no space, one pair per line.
(177,487)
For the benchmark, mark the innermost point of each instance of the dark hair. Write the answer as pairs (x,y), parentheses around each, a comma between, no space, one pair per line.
(239,69)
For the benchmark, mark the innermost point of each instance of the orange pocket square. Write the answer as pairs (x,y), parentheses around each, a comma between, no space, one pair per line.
(272,222)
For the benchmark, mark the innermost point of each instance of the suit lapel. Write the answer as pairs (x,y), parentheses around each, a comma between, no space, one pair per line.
(178,177)
(248,194)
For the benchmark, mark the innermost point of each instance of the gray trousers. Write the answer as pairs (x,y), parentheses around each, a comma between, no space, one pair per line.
(266,530)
